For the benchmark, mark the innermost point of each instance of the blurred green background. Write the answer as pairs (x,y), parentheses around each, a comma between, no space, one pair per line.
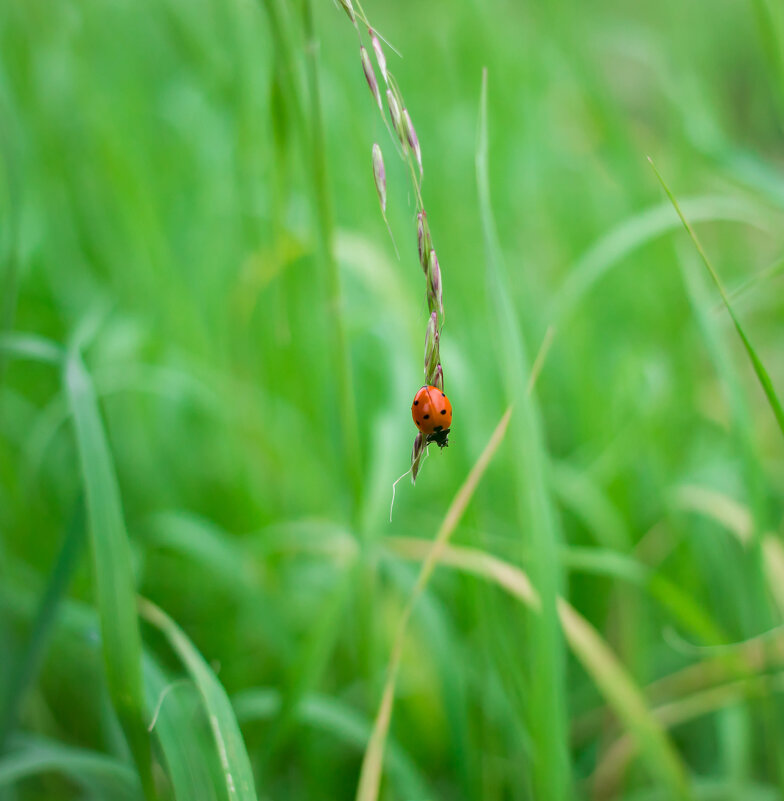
(171,320)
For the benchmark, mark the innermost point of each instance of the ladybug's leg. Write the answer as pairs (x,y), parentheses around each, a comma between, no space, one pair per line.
(440,438)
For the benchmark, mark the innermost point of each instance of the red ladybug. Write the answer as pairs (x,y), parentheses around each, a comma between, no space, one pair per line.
(432,413)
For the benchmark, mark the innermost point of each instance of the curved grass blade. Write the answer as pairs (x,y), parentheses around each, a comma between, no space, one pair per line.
(31,346)
(680,711)
(596,657)
(756,362)
(632,234)
(623,695)
(202,541)
(112,574)
(115,779)
(233,756)
(184,744)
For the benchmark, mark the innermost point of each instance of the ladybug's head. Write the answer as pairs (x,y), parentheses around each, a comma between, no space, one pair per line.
(440,438)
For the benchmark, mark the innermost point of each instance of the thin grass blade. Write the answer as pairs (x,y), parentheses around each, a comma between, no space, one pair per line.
(31,346)
(535,515)
(233,756)
(756,362)
(112,573)
(25,670)
(185,746)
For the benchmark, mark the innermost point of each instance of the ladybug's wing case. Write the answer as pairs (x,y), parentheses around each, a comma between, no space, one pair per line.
(431,410)
(421,410)
(440,409)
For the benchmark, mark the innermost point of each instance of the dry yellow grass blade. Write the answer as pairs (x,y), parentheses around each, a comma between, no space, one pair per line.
(738,520)
(723,666)
(724,663)
(471,560)
(644,731)
(773,552)
(726,511)
(370,773)
(608,773)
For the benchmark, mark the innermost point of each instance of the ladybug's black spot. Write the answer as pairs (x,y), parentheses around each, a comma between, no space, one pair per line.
(426,416)
(442,395)
(443,411)
(416,403)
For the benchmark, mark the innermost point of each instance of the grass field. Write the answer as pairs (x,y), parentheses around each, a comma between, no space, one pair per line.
(208,353)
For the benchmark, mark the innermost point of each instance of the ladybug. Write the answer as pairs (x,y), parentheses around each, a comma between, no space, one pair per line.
(432,413)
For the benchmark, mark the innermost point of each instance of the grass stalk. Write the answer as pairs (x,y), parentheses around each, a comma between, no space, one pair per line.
(756,362)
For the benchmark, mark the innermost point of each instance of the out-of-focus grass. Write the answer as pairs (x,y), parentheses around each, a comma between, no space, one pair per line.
(165,206)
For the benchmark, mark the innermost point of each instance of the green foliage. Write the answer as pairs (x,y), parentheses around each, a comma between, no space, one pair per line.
(208,343)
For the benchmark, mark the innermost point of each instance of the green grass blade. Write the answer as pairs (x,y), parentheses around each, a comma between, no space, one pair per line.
(756,362)
(325,226)
(203,542)
(184,744)
(24,671)
(112,574)
(233,756)
(31,346)
(534,514)
(36,757)
(770,21)
(632,234)
(319,644)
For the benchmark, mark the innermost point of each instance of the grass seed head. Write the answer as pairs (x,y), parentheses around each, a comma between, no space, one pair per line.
(411,136)
(370,76)
(380,176)
(424,241)
(380,57)
(438,378)
(432,349)
(417,453)
(349,9)
(434,293)
(397,117)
